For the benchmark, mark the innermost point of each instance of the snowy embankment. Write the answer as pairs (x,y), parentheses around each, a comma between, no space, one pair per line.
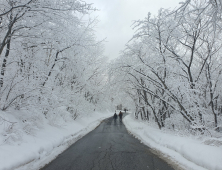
(187,151)
(31,149)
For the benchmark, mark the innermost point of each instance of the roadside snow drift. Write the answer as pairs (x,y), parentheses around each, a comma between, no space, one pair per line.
(191,153)
(32,149)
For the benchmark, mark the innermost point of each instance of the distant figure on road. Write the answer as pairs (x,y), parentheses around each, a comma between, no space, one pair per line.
(120,116)
(125,110)
(115,116)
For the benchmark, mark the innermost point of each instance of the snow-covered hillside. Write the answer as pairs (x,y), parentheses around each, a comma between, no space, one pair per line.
(29,142)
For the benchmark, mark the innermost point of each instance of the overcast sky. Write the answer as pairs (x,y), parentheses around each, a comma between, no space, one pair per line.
(117,16)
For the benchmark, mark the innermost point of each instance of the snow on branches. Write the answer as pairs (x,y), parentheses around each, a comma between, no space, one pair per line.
(49,57)
(173,67)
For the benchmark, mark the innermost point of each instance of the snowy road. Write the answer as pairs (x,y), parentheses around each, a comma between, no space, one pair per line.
(108,147)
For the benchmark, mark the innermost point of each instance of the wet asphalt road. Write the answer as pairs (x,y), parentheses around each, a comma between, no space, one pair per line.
(108,147)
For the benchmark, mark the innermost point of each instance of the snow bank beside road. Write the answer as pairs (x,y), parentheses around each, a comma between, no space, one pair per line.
(190,153)
(37,149)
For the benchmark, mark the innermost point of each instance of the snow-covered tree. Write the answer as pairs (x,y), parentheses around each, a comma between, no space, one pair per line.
(173,67)
(50,56)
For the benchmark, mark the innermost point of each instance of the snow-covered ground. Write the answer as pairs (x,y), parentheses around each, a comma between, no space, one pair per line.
(191,152)
(34,141)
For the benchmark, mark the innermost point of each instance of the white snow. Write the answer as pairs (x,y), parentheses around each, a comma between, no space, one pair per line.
(30,151)
(34,143)
(190,152)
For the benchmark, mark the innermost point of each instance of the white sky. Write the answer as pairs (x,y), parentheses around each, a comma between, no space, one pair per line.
(117,16)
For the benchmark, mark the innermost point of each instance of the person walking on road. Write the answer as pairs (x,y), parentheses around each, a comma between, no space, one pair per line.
(120,116)
(115,116)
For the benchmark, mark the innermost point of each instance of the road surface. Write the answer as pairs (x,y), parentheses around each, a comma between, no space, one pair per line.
(108,147)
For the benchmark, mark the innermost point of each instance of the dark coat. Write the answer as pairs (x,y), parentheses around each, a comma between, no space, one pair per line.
(115,116)
(120,114)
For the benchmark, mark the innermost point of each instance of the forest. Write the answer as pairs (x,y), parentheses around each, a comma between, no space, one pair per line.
(57,85)
(169,72)
(50,56)
(171,68)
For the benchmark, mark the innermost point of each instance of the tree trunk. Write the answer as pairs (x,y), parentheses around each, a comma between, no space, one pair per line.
(4,63)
